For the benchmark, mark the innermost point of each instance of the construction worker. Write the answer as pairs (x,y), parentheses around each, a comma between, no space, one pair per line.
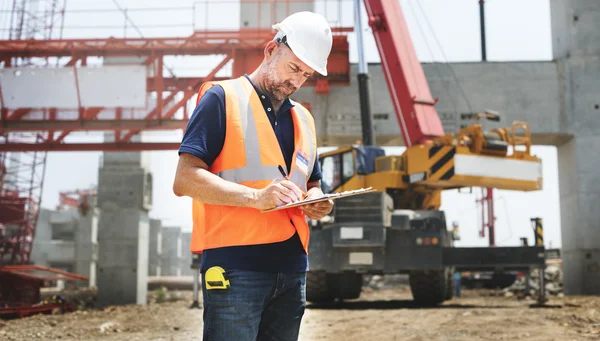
(254,263)
(457,277)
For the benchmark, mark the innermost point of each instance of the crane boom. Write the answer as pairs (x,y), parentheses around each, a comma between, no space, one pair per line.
(413,104)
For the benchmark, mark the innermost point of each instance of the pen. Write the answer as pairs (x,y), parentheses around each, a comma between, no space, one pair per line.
(282,171)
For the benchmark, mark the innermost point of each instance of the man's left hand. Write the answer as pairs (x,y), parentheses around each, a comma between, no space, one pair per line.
(317,210)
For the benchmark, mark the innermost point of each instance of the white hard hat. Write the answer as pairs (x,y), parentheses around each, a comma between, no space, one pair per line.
(309,36)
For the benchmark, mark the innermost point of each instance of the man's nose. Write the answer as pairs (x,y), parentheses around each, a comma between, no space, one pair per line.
(296,81)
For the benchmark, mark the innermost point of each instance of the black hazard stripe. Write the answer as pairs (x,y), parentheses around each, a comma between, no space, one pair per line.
(448,157)
(433,150)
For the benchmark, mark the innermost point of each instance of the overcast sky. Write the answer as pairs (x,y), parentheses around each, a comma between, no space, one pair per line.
(442,31)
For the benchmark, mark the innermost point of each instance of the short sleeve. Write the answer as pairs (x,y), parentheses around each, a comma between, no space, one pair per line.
(316,173)
(205,133)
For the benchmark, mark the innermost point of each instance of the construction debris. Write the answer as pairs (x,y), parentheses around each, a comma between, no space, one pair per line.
(553,276)
(388,281)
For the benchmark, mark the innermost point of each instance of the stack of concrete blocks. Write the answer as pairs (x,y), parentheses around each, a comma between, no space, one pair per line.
(171,256)
(186,255)
(124,198)
(67,240)
(155,251)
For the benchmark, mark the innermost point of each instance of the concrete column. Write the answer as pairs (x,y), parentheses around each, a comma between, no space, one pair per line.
(576,43)
(124,198)
(43,237)
(579,185)
(186,255)
(86,243)
(155,251)
(171,256)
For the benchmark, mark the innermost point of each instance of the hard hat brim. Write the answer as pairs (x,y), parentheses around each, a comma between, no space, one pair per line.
(302,54)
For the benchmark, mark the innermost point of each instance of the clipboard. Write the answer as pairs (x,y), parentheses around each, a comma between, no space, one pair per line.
(330,196)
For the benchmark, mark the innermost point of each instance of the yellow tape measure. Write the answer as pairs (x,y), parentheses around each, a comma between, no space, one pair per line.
(216,278)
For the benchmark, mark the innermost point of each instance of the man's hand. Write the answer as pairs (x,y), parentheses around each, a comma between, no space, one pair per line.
(317,210)
(278,192)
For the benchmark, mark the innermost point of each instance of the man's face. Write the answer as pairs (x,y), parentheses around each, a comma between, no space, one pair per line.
(285,73)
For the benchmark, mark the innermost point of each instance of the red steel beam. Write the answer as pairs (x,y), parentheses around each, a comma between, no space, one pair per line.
(89,113)
(74,147)
(159,84)
(199,43)
(19,113)
(91,125)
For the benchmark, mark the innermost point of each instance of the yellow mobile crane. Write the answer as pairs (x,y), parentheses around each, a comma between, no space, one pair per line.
(399,228)
(471,158)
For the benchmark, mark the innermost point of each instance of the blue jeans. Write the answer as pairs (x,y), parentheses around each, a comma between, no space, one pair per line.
(257,306)
(457,287)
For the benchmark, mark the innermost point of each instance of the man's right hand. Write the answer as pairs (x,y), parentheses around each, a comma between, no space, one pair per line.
(278,192)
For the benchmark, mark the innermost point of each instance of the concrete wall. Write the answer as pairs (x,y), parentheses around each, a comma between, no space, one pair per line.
(155,248)
(172,247)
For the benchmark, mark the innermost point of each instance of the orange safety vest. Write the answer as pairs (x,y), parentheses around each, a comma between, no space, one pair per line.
(250,156)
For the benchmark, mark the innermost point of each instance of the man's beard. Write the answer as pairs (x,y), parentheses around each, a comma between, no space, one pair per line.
(276,88)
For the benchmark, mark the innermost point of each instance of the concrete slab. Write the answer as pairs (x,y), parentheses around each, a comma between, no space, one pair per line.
(529,91)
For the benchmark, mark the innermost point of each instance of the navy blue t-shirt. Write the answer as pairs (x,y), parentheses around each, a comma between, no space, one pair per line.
(204,138)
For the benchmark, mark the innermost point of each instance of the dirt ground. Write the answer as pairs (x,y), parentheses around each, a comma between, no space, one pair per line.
(387,314)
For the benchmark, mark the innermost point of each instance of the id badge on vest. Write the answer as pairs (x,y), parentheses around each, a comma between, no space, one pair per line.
(302,161)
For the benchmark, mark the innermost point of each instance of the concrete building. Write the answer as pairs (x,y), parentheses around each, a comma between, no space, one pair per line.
(171,256)
(66,239)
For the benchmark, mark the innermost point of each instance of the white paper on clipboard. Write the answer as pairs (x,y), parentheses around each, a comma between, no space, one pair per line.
(330,196)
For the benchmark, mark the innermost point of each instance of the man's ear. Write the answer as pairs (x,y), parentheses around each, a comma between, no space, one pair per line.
(270,49)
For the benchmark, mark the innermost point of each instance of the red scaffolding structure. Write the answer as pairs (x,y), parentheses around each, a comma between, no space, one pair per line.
(22,172)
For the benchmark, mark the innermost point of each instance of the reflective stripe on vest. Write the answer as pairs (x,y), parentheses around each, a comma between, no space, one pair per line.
(254,170)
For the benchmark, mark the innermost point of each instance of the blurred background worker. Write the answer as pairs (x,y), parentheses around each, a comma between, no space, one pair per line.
(254,264)
(457,278)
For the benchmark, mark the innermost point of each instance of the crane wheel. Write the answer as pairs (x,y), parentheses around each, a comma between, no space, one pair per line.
(429,287)
(317,287)
(346,285)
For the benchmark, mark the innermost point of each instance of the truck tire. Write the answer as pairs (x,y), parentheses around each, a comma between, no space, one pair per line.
(317,287)
(450,285)
(429,287)
(348,285)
